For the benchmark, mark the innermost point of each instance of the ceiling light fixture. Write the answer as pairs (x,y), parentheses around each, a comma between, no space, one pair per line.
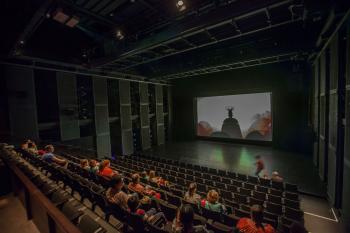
(180,4)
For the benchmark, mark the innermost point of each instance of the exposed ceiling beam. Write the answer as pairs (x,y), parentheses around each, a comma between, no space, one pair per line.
(31,27)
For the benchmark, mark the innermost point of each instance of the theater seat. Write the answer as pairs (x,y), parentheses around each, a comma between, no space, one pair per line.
(88,225)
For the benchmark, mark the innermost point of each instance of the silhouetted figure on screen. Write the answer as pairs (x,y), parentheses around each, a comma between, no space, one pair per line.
(231,126)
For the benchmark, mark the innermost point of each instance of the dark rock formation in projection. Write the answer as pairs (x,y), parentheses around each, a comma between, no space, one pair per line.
(231,126)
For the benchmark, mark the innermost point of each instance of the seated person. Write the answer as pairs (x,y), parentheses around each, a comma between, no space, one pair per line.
(183,223)
(297,228)
(191,195)
(157,179)
(93,166)
(135,207)
(135,185)
(114,193)
(255,223)
(31,148)
(144,175)
(106,170)
(50,157)
(84,164)
(211,203)
(276,177)
(24,145)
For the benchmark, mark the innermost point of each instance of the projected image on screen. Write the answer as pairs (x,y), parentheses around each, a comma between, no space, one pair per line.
(246,116)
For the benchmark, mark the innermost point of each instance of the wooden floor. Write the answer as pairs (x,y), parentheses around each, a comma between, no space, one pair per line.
(295,168)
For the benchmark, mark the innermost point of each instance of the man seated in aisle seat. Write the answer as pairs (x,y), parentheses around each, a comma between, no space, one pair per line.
(50,157)
(276,177)
(255,222)
(114,193)
(106,170)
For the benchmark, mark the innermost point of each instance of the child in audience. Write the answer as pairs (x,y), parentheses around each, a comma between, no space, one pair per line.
(84,163)
(135,185)
(255,223)
(191,195)
(94,166)
(212,202)
(135,207)
(144,175)
(105,169)
(50,157)
(183,223)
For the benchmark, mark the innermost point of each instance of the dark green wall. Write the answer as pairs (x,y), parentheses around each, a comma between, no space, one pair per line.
(289,84)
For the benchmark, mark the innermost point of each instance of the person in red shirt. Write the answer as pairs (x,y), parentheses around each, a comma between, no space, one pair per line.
(259,163)
(106,170)
(255,223)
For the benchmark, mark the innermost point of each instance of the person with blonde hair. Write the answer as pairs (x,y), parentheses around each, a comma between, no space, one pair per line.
(212,202)
(93,166)
(84,163)
(276,177)
(135,185)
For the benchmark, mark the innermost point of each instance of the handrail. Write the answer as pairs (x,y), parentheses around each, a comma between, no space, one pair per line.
(57,216)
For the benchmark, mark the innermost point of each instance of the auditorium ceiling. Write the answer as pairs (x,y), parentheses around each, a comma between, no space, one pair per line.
(165,39)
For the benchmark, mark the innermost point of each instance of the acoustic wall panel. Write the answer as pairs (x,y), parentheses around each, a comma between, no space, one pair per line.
(68,106)
(324,100)
(103,141)
(144,116)
(125,117)
(333,120)
(22,102)
(159,114)
(316,113)
(346,183)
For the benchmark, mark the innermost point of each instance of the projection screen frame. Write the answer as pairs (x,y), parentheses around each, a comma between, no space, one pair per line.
(234,140)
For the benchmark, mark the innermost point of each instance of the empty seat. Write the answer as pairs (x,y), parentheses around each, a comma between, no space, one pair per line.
(294,214)
(291,187)
(274,208)
(71,212)
(88,225)
(274,199)
(265,182)
(292,204)
(291,196)
(174,200)
(218,227)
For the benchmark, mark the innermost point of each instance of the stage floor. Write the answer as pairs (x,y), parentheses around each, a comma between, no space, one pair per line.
(295,168)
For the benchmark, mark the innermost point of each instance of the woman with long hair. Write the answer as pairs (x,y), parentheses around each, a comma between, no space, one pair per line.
(191,195)
(255,223)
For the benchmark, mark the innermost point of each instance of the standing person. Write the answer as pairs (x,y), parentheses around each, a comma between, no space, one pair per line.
(259,163)
(255,223)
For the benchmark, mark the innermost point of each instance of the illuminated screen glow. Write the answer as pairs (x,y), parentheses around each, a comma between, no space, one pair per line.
(245,116)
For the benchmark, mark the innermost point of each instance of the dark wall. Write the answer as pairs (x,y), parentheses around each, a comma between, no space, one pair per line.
(288,82)
(4,117)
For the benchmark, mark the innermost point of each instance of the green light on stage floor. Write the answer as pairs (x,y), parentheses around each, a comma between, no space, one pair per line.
(245,159)
(218,156)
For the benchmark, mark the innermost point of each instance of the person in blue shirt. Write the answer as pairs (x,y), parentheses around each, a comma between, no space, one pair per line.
(50,157)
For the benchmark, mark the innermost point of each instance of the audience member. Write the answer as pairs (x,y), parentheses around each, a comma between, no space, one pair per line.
(135,185)
(94,166)
(50,157)
(297,228)
(183,223)
(84,163)
(31,148)
(24,145)
(255,223)
(212,202)
(276,177)
(191,195)
(105,169)
(157,179)
(114,193)
(144,175)
(135,207)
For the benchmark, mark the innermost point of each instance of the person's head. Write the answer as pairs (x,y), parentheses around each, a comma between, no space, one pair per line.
(116,182)
(49,148)
(105,163)
(31,145)
(297,228)
(256,213)
(185,216)
(275,174)
(92,163)
(143,174)
(152,174)
(212,196)
(192,189)
(135,178)
(257,157)
(133,202)
(84,162)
